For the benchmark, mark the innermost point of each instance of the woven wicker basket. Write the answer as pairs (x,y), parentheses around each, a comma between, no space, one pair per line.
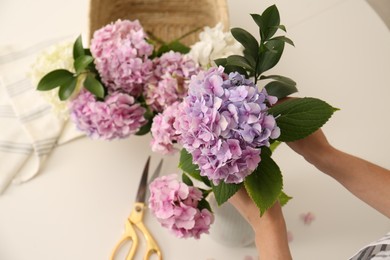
(166,19)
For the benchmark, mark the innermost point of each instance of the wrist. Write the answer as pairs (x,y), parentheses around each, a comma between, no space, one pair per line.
(248,209)
(272,218)
(328,161)
(321,156)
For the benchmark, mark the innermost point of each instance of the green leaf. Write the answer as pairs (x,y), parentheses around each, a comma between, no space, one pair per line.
(185,164)
(78,49)
(145,128)
(148,115)
(178,47)
(205,193)
(54,79)
(204,204)
(280,78)
(258,20)
(300,117)
(223,191)
(247,40)
(172,46)
(280,89)
(94,86)
(270,56)
(88,52)
(263,30)
(274,145)
(283,38)
(265,184)
(232,68)
(282,27)
(82,62)
(284,198)
(189,33)
(221,62)
(270,21)
(239,61)
(266,151)
(251,59)
(163,49)
(186,179)
(67,88)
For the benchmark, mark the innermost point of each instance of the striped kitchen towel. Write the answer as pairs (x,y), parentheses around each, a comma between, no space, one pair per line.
(29,129)
(379,249)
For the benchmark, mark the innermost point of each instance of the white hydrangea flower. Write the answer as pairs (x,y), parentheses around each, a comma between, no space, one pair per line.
(214,44)
(58,56)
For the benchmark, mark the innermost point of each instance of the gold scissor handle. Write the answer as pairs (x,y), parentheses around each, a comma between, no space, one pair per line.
(136,218)
(129,235)
(151,244)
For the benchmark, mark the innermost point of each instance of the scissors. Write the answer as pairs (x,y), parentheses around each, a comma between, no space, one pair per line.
(135,219)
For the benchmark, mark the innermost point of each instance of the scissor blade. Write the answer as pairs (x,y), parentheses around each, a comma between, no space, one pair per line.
(143,182)
(154,176)
(157,171)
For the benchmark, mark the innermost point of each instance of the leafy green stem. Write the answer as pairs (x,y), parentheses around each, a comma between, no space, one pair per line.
(187,34)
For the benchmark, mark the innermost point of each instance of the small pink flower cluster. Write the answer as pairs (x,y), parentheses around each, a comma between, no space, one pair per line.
(163,132)
(121,55)
(170,80)
(117,117)
(176,206)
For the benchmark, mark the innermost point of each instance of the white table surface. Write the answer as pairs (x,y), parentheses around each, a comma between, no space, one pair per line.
(75,209)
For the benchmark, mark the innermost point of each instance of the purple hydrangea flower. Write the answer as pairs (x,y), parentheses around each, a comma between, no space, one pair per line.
(121,56)
(224,123)
(175,205)
(164,135)
(170,80)
(118,116)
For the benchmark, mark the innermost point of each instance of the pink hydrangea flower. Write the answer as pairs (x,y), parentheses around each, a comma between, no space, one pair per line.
(121,56)
(170,80)
(307,218)
(223,123)
(164,136)
(118,116)
(175,205)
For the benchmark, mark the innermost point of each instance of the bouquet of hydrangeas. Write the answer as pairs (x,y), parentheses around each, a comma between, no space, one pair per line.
(115,88)
(205,99)
(228,128)
(128,83)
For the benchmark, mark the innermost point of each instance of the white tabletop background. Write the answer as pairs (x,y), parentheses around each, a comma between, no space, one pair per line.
(75,209)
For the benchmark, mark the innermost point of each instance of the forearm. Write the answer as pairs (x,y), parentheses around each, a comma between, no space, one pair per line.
(271,237)
(367,181)
(270,229)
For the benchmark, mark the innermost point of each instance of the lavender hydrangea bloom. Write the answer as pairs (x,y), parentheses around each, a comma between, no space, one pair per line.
(118,116)
(170,80)
(121,56)
(224,123)
(175,206)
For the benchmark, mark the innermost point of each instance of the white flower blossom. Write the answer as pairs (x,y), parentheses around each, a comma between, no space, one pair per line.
(214,44)
(58,56)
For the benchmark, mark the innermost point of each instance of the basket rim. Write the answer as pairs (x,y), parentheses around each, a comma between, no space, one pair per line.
(102,12)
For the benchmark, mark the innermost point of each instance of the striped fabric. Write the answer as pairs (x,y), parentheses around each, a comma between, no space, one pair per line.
(29,128)
(379,249)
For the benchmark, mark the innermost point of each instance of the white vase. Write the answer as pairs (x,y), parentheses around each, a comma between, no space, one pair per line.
(229,227)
